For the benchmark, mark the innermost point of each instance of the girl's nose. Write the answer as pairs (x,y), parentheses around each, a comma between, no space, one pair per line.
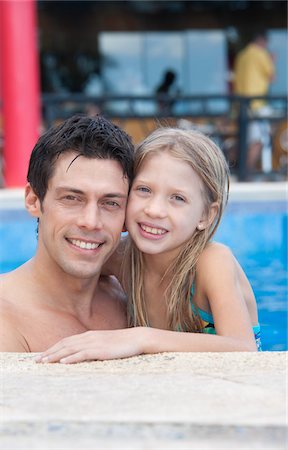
(156,208)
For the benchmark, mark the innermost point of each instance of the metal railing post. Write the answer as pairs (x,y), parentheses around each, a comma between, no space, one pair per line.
(242,127)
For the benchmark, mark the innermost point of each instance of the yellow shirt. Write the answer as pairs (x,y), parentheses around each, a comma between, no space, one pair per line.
(254,70)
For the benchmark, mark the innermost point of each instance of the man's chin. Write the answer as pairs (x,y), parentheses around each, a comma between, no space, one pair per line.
(82,271)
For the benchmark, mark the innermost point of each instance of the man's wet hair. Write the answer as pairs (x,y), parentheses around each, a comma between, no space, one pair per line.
(91,137)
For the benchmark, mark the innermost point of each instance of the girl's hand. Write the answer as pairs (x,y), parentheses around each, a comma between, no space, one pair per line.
(95,345)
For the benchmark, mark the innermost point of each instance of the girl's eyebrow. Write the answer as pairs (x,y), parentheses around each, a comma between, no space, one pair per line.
(182,190)
(141,180)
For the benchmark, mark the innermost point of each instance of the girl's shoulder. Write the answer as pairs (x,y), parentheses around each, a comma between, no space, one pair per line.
(216,260)
(214,251)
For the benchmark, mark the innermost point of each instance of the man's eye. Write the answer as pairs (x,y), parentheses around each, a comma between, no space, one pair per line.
(112,204)
(70,197)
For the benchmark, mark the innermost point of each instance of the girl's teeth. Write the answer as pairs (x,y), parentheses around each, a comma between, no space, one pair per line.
(85,245)
(152,230)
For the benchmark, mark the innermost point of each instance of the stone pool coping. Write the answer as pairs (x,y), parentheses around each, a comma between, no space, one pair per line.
(165,401)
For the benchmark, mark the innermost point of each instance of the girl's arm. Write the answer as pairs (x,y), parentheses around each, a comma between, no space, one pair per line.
(218,282)
(116,344)
(221,282)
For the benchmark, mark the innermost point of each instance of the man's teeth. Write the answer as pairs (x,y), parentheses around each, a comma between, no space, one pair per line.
(85,245)
(152,230)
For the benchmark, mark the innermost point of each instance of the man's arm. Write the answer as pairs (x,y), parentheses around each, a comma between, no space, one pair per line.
(10,338)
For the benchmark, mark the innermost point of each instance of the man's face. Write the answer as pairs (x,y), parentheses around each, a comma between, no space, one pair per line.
(82,215)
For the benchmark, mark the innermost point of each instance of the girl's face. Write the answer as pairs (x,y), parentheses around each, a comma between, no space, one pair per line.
(165,205)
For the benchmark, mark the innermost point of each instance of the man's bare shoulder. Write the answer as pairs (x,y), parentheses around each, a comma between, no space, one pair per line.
(10,283)
(11,339)
(13,278)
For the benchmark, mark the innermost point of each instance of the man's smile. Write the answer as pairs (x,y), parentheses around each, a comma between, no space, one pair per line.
(86,245)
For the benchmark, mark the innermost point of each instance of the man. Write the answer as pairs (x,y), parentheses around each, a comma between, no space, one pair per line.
(78,180)
(254,71)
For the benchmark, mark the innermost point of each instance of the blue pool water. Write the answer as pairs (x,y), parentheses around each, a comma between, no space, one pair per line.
(257,234)
(255,231)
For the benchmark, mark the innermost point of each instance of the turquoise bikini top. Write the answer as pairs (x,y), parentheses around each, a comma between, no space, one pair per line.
(208,322)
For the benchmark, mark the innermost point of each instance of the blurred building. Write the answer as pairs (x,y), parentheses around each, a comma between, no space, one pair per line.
(124,47)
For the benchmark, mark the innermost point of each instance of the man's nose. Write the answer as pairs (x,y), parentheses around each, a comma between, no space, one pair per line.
(90,217)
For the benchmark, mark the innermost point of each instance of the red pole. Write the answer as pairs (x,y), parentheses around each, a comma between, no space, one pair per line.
(20,87)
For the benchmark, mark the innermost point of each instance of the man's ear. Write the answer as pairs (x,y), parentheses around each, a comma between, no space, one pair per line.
(32,201)
(209,217)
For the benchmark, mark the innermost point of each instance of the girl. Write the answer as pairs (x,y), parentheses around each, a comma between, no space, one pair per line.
(185,293)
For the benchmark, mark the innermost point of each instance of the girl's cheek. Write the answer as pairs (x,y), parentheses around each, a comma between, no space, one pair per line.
(128,215)
(130,205)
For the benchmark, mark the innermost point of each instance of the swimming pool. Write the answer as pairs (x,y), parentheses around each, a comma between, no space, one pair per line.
(257,234)
(255,230)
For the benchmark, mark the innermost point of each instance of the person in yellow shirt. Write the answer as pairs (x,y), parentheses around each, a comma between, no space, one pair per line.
(254,71)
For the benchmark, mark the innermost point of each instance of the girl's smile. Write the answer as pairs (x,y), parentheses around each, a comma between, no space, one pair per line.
(151,231)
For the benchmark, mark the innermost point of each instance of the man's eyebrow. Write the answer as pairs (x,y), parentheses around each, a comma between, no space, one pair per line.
(116,194)
(78,191)
(68,188)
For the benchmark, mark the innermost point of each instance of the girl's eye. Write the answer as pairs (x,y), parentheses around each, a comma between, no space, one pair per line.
(142,189)
(179,198)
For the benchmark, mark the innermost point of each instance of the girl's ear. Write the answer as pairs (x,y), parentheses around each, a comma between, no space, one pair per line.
(207,219)
(124,229)
(32,202)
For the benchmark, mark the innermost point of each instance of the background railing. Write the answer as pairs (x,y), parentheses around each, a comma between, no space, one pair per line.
(224,118)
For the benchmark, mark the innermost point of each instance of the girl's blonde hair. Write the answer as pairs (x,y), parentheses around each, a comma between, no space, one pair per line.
(208,161)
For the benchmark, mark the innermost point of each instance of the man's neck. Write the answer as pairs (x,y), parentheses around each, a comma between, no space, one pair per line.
(62,291)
